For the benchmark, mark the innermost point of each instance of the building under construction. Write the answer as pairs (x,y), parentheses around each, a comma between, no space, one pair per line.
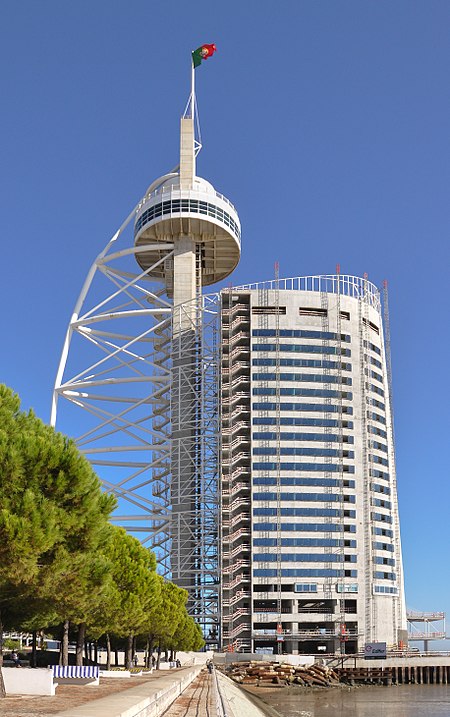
(246,433)
(311,555)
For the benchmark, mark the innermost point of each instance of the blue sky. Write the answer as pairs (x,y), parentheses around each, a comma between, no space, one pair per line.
(326,122)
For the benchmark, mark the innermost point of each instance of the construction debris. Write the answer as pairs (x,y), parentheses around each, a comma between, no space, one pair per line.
(264,674)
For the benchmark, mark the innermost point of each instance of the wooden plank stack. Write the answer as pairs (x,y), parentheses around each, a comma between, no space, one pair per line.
(265,674)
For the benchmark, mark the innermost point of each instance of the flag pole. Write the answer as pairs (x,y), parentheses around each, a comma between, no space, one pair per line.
(192,89)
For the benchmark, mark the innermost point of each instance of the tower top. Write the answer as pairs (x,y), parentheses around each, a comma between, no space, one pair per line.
(180,204)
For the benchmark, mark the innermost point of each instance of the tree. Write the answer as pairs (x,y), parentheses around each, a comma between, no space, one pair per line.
(135,589)
(53,518)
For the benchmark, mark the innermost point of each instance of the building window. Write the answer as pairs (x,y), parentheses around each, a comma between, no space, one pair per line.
(385,589)
(347,587)
(322,467)
(312,311)
(318,407)
(301,334)
(286,481)
(305,512)
(303,349)
(304,527)
(307,392)
(305,587)
(304,573)
(269,310)
(302,363)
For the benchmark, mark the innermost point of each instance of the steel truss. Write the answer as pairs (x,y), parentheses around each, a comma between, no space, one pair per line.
(120,366)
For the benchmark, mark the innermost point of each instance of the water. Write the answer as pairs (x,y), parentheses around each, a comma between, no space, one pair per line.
(401,701)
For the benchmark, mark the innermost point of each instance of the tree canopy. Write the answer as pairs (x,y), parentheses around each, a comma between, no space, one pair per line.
(61,560)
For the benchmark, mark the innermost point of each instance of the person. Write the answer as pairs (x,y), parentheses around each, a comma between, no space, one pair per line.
(178,663)
(15,658)
(135,660)
(153,660)
(210,666)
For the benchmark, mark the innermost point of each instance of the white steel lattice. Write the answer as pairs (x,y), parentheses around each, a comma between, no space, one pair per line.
(118,367)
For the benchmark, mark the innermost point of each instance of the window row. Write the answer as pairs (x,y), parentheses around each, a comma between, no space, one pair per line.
(296,451)
(305,512)
(323,467)
(383,546)
(385,532)
(305,587)
(305,542)
(373,374)
(302,363)
(381,517)
(192,206)
(301,334)
(305,527)
(379,446)
(375,473)
(375,389)
(378,575)
(377,488)
(377,404)
(305,377)
(372,347)
(305,392)
(288,436)
(380,503)
(303,349)
(379,560)
(318,407)
(378,459)
(373,361)
(303,558)
(304,573)
(324,482)
(377,431)
(385,589)
(313,497)
(294,421)
(376,417)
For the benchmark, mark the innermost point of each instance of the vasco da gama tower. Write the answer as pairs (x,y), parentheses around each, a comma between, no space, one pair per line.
(246,433)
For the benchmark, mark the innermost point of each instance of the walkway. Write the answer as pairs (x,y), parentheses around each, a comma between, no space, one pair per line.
(197,700)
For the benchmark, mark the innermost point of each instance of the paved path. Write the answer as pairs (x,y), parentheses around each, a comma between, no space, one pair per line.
(197,700)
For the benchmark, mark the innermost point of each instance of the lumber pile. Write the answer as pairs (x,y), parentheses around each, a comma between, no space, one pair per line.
(265,674)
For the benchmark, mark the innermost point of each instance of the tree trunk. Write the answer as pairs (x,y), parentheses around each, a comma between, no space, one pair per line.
(2,682)
(80,644)
(34,649)
(129,653)
(64,650)
(158,653)
(116,656)
(96,652)
(108,652)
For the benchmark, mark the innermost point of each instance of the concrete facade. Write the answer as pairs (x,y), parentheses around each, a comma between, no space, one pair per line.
(311,552)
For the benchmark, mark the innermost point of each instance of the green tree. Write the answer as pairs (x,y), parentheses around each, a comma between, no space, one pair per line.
(135,588)
(53,519)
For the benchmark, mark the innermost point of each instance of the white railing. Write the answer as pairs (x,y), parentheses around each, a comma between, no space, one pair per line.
(355,287)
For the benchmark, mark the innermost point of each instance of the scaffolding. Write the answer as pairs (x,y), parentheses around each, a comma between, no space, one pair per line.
(425,626)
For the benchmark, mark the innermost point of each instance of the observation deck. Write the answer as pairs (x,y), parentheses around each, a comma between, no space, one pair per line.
(169,212)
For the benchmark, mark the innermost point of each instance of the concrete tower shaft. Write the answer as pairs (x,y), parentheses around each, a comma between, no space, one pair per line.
(202,228)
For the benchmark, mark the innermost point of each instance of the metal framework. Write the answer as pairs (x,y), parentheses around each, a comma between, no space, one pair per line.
(118,366)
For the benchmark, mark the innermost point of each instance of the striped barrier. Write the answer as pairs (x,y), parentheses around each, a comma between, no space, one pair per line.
(72,671)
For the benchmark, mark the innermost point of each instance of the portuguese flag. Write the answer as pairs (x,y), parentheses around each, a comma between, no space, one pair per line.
(202,53)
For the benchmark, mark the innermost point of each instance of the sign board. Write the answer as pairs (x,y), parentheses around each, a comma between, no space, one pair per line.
(375,651)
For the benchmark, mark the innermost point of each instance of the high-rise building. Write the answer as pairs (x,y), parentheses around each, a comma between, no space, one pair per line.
(246,434)
(311,557)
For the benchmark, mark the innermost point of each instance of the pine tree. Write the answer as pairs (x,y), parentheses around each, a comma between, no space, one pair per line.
(53,521)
